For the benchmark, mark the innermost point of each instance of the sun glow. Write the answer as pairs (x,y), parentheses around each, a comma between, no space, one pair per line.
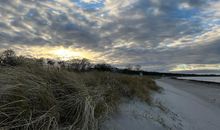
(56,52)
(66,54)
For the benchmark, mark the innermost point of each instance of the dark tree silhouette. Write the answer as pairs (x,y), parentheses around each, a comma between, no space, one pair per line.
(103,67)
(80,64)
(50,62)
(85,64)
(8,57)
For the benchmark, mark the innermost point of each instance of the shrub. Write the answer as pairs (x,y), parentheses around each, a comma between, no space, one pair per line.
(103,67)
(80,64)
(8,57)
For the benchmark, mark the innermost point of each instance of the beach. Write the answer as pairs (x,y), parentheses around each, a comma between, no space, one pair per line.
(181,105)
(206,91)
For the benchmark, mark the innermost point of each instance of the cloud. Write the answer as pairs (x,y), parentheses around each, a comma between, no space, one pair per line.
(156,34)
(195,67)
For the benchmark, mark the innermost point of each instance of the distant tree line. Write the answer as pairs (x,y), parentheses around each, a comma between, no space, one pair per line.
(9,58)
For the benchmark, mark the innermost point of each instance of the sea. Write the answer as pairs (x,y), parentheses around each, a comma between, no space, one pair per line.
(206,79)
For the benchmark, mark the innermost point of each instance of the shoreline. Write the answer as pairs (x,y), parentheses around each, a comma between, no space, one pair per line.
(196,103)
(208,92)
(198,81)
(183,105)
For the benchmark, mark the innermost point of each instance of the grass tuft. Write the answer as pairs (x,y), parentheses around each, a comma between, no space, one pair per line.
(33,97)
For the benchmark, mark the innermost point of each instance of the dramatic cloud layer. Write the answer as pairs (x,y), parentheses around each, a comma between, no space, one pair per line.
(159,35)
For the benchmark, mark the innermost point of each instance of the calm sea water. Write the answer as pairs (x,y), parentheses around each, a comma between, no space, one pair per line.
(209,79)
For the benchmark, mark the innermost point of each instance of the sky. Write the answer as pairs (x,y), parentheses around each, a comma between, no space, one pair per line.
(159,35)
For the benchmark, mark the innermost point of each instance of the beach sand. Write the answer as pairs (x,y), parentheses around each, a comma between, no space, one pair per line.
(182,105)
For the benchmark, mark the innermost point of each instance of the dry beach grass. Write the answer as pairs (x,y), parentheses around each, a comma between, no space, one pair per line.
(32,97)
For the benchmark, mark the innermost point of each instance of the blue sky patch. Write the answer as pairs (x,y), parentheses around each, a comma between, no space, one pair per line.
(89,6)
(185,14)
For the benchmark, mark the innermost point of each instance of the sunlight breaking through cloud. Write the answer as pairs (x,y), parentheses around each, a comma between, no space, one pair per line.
(56,52)
(146,32)
(189,67)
